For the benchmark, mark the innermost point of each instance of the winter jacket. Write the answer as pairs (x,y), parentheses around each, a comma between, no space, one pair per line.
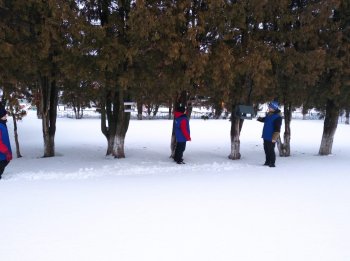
(272,125)
(5,147)
(182,127)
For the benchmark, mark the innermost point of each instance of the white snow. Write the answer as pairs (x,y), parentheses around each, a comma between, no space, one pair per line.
(82,206)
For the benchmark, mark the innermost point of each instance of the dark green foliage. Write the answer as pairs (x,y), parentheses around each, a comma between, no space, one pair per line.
(150,51)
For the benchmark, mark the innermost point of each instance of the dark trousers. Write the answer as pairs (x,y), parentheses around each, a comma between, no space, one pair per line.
(269,148)
(3,164)
(179,151)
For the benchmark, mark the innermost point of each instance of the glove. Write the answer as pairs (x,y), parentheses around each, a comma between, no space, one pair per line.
(8,156)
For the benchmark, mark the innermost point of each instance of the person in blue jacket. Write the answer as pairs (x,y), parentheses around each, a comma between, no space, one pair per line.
(271,132)
(5,147)
(182,133)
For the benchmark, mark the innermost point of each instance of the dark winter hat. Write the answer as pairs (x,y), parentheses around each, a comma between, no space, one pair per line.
(3,112)
(181,109)
(273,105)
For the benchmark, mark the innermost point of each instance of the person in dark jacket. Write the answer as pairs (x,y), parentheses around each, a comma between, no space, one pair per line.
(5,147)
(271,131)
(182,133)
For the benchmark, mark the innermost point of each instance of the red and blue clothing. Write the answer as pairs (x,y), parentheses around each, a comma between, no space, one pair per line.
(182,135)
(182,127)
(5,147)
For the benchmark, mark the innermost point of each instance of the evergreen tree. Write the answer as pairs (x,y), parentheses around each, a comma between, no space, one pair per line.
(79,73)
(149,84)
(169,63)
(333,88)
(39,41)
(292,29)
(239,68)
(113,61)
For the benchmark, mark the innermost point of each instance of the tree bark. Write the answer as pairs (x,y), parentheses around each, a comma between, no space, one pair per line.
(304,112)
(236,126)
(49,102)
(217,109)
(123,120)
(139,110)
(18,151)
(236,122)
(37,100)
(108,119)
(347,113)
(149,110)
(329,128)
(155,111)
(170,109)
(284,147)
(78,109)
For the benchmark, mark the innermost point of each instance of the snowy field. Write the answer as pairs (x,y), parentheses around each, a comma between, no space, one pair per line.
(83,206)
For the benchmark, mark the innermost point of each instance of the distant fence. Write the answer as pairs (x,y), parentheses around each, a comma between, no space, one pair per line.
(85,115)
(299,115)
(92,114)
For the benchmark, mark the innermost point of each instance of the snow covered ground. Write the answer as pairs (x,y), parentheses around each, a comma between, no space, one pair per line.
(82,206)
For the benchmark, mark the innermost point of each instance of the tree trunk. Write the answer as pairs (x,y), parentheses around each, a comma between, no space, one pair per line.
(37,100)
(347,113)
(329,128)
(236,126)
(110,145)
(189,109)
(155,111)
(217,110)
(170,109)
(304,112)
(108,119)
(149,110)
(18,151)
(49,102)
(118,150)
(237,123)
(78,111)
(284,147)
(123,120)
(173,142)
(139,110)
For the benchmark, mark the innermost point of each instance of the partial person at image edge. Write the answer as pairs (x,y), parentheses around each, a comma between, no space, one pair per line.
(182,133)
(5,146)
(271,132)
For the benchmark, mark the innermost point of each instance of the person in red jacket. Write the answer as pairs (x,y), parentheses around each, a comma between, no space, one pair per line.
(182,133)
(5,147)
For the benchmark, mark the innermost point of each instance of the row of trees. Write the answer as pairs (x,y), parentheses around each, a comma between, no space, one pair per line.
(165,52)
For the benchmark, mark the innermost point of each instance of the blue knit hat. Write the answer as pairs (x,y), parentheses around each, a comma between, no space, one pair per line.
(273,105)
